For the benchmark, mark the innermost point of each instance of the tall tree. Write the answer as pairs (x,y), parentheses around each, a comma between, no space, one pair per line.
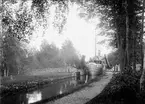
(69,53)
(16,23)
(13,54)
(120,11)
(142,79)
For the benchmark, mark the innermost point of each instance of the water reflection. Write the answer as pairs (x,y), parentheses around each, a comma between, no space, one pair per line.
(51,90)
(83,79)
(34,97)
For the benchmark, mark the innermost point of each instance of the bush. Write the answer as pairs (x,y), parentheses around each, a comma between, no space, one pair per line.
(122,89)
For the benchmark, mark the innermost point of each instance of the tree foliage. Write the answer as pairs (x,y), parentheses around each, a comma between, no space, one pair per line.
(126,19)
(69,53)
(127,33)
(20,18)
(16,26)
(113,58)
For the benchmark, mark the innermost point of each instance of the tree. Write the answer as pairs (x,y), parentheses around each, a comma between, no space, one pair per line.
(134,36)
(49,56)
(83,63)
(12,57)
(142,79)
(113,58)
(69,53)
(118,12)
(16,23)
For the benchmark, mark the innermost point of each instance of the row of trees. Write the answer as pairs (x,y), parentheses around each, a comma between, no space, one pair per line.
(19,19)
(15,27)
(16,60)
(126,18)
(122,16)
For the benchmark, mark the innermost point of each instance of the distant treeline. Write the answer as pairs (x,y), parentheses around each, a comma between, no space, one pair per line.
(17,60)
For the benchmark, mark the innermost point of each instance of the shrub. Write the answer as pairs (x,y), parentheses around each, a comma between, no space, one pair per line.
(122,89)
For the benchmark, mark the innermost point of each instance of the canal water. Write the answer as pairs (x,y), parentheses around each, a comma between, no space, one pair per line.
(53,89)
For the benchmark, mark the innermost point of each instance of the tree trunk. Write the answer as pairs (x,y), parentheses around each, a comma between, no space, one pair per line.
(134,54)
(142,82)
(122,60)
(142,79)
(134,50)
(126,38)
(120,45)
(7,72)
(142,32)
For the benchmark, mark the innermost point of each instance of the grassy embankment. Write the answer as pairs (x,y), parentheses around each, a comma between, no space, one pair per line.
(30,82)
(37,79)
(122,89)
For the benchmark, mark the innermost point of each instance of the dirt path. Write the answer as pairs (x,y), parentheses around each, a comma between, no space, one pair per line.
(86,93)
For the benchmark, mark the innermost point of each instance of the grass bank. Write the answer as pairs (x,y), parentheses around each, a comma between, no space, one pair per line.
(122,89)
(27,83)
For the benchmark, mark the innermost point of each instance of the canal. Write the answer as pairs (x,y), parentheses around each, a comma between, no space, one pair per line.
(51,90)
